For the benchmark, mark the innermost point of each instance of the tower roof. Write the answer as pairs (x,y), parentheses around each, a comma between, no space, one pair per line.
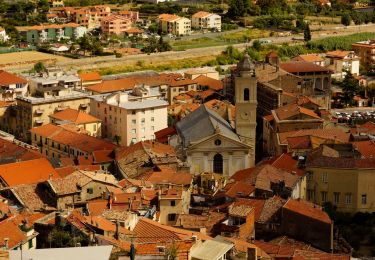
(246,64)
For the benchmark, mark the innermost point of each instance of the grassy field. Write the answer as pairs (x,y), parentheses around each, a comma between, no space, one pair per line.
(223,39)
(158,66)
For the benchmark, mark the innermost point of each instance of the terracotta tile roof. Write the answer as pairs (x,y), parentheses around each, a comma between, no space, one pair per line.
(103,156)
(33,197)
(338,54)
(90,76)
(309,255)
(12,152)
(240,210)
(27,172)
(165,174)
(308,58)
(307,209)
(114,17)
(168,17)
(79,141)
(201,14)
(65,171)
(148,230)
(9,228)
(286,162)
(366,148)
(270,208)
(69,184)
(7,78)
(292,111)
(183,97)
(191,221)
(243,246)
(299,142)
(162,135)
(239,189)
(75,116)
(302,66)
(102,223)
(304,100)
(211,83)
(96,207)
(327,133)
(257,204)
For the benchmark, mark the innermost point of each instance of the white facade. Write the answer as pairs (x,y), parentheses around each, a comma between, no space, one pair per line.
(133,116)
(203,20)
(346,61)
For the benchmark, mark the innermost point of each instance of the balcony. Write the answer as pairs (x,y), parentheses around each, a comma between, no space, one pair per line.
(39,111)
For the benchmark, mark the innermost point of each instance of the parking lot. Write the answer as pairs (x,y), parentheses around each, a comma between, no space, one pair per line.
(349,115)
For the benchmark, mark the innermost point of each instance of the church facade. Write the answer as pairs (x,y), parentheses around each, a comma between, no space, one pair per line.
(208,143)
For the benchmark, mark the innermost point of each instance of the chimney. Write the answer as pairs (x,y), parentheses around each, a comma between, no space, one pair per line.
(117,229)
(6,243)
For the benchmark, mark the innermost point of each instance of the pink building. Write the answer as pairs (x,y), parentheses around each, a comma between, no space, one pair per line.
(115,24)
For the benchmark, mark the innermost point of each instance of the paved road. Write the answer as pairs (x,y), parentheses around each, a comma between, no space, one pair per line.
(111,61)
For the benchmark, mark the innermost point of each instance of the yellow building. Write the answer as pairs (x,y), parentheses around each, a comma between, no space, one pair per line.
(35,111)
(66,141)
(174,24)
(172,203)
(80,119)
(336,173)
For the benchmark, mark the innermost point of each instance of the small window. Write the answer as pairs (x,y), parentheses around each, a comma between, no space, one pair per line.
(90,191)
(172,217)
(173,203)
(336,198)
(324,177)
(133,112)
(246,94)
(30,242)
(217,142)
(324,196)
(364,199)
(134,121)
(134,131)
(348,198)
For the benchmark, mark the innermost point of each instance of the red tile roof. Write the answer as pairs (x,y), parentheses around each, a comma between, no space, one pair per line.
(12,151)
(165,174)
(90,76)
(7,78)
(302,66)
(162,135)
(211,83)
(307,209)
(27,172)
(366,148)
(65,171)
(75,116)
(286,162)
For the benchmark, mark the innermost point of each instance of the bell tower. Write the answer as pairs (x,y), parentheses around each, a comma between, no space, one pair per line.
(246,104)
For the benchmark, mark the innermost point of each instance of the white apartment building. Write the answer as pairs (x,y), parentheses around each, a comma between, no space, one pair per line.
(133,115)
(174,24)
(11,86)
(342,61)
(206,21)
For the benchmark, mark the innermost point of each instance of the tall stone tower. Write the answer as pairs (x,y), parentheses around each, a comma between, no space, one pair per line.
(246,104)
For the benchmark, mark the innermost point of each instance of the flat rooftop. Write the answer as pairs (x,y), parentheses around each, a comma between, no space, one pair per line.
(40,100)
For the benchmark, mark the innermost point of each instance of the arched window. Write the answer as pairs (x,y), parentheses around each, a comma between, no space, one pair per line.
(218,163)
(246,94)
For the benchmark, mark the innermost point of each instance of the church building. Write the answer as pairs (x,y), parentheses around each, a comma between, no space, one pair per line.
(208,143)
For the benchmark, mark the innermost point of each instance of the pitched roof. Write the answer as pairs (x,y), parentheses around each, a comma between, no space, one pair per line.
(308,58)
(13,151)
(302,66)
(7,78)
(211,83)
(239,188)
(32,197)
(163,134)
(90,76)
(168,17)
(295,112)
(307,209)
(75,116)
(165,174)
(286,162)
(201,14)
(203,123)
(79,141)
(27,172)
(148,230)
(66,170)
(366,148)
(338,54)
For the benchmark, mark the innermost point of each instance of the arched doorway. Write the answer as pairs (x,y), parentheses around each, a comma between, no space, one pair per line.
(218,163)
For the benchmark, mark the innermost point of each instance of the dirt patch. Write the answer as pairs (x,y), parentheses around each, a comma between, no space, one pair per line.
(19,59)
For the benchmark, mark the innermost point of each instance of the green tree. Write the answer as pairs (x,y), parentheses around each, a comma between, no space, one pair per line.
(257,45)
(117,139)
(307,33)
(346,19)
(350,88)
(39,67)
(84,44)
